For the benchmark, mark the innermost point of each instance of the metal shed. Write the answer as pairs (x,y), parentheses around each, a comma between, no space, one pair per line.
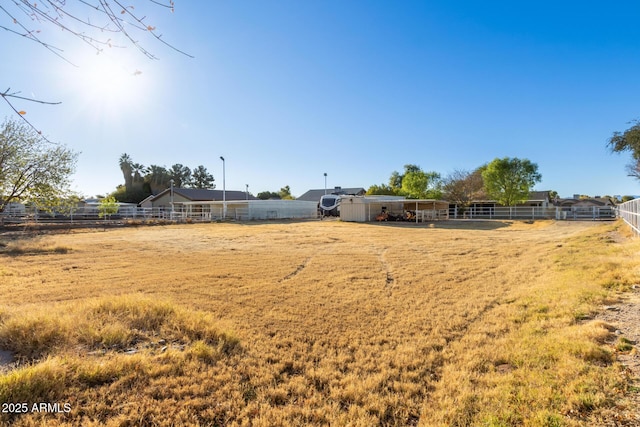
(366,209)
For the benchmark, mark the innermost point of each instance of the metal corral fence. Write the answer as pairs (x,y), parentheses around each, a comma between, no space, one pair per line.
(200,211)
(593,213)
(630,213)
(31,214)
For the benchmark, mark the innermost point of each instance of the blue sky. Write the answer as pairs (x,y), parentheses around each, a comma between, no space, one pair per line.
(289,90)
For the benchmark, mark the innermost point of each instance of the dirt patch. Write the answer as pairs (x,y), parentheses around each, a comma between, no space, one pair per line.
(625,317)
(6,360)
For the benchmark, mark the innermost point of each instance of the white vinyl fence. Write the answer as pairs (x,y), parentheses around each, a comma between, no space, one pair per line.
(82,213)
(630,213)
(593,213)
(193,211)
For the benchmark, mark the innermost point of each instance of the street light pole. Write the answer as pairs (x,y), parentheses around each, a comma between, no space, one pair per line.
(171,182)
(247,186)
(224,190)
(325,183)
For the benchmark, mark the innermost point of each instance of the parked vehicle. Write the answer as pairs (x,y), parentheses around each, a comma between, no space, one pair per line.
(329,205)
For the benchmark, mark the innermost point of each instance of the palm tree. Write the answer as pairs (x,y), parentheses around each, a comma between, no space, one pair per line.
(138,171)
(126,166)
(138,177)
(158,178)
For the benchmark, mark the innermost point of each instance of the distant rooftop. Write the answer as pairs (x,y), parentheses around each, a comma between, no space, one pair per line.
(316,194)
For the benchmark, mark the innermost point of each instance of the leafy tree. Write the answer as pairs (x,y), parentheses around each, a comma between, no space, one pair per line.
(627,198)
(120,194)
(381,190)
(510,180)
(136,195)
(421,185)
(629,140)
(462,187)
(200,178)
(395,180)
(180,174)
(107,207)
(266,195)
(413,183)
(32,169)
(285,193)
(68,205)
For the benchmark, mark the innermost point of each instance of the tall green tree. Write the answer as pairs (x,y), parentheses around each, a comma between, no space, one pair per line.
(628,141)
(510,180)
(395,180)
(421,185)
(180,174)
(266,195)
(413,183)
(201,178)
(31,168)
(381,190)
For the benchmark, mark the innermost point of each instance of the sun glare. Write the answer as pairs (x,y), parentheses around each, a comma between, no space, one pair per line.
(109,85)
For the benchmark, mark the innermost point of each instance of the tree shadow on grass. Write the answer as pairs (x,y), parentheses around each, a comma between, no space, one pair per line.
(481,225)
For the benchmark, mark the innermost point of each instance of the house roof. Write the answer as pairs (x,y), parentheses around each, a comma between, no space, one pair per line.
(593,201)
(199,195)
(538,195)
(315,195)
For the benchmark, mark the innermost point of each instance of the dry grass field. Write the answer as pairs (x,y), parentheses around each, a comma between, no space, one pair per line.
(316,323)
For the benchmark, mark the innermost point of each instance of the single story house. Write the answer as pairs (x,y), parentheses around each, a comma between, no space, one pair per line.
(182,195)
(585,202)
(590,207)
(538,199)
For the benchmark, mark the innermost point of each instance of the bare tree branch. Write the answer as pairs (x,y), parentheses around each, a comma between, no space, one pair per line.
(6,95)
(121,19)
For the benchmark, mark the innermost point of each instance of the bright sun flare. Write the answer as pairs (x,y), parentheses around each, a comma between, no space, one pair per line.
(107,84)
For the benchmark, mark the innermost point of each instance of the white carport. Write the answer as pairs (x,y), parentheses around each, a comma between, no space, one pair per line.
(365,209)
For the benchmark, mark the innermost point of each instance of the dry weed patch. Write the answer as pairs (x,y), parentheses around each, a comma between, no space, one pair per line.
(453,324)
